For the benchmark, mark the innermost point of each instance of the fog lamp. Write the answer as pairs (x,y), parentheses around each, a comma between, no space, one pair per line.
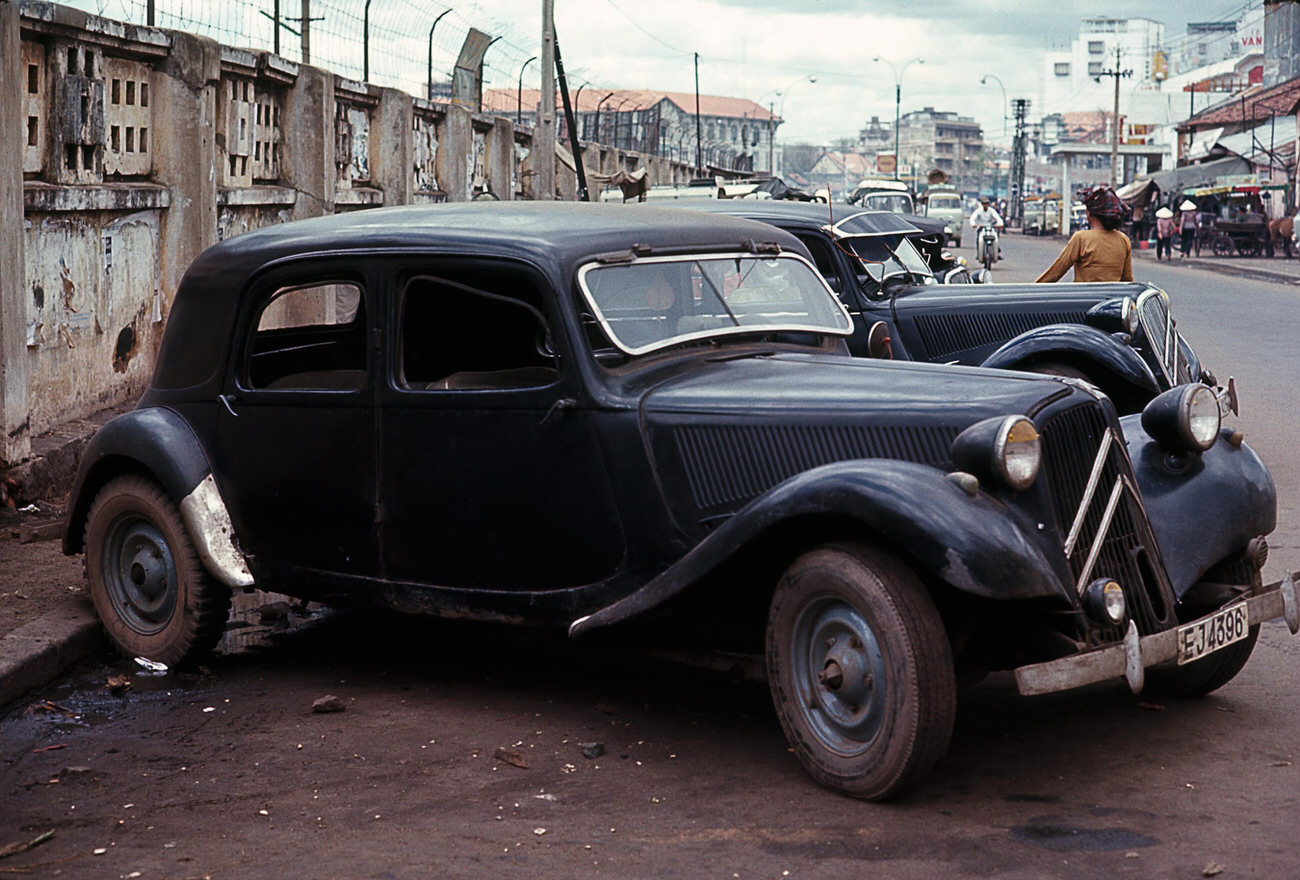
(1103,601)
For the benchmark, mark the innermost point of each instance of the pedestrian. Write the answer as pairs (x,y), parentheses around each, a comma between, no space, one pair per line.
(1165,233)
(1101,252)
(1187,225)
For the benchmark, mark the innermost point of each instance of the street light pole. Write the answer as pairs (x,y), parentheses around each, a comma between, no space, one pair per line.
(519,102)
(784,92)
(984,81)
(429,93)
(898,101)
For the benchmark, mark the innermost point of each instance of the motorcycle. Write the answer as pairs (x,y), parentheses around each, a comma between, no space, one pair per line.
(986,246)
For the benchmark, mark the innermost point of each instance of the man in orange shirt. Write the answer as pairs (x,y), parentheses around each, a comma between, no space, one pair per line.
(1102,252)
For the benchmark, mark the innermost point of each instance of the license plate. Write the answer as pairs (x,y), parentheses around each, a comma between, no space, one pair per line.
(1209,634)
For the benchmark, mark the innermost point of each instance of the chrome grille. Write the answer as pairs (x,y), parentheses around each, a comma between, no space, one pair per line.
(948,335)
(729,463)
(1099,510)
(1162,336)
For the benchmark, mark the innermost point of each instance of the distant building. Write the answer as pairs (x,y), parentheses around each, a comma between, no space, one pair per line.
(1073,77)
(735,133)
(1209,42)
(930,139)
(1282,41)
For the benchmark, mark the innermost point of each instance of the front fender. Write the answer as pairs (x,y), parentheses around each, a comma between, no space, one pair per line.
(974,543)
(157,441)
(1086,347)
(1206,512)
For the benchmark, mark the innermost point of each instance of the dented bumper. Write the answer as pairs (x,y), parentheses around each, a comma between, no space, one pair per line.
(1131,657)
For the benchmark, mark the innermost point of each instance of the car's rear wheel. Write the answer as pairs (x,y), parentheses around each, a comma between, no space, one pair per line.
(148,585)
(860,670)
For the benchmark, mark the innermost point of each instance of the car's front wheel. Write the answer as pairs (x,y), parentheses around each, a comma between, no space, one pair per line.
(860,670)
(148,585)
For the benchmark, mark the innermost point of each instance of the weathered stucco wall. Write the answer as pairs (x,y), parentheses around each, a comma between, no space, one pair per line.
(125,151)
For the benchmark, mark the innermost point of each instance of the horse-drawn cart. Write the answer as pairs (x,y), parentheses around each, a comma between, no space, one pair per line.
(1245,237)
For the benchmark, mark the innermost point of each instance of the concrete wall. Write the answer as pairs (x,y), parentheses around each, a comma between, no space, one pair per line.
(125,151)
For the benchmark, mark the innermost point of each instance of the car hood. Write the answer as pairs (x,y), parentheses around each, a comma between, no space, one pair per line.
(965,323)
(721,436)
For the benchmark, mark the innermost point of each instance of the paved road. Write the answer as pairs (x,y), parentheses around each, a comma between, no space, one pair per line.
(229,774)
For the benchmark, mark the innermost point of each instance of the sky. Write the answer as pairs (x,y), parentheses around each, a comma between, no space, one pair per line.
(767,50)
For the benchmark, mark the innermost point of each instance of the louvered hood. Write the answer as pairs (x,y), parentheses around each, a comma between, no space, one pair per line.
(966,323)
(724,435)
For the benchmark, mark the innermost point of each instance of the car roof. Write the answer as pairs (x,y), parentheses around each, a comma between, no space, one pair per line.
(555,237)
(847,220)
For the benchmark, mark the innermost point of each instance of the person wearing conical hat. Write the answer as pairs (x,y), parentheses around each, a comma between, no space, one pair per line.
(1165,234)
(1187,225)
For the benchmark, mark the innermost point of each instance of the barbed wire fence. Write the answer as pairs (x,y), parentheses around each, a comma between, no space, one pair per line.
(410,44)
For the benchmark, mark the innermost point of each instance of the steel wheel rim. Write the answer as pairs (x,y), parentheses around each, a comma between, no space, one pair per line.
(140,574)
(839,673)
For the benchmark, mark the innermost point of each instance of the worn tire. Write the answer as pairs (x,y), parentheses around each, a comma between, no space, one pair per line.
(879,729)
(147,582)
(1200,677)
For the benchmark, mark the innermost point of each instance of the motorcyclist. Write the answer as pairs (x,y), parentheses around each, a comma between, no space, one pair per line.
(986,216)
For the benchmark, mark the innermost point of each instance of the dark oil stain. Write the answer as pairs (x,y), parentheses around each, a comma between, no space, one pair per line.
(125,349)
(1060,837)
(38,295)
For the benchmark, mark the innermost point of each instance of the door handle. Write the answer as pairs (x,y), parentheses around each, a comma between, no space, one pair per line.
(228,400)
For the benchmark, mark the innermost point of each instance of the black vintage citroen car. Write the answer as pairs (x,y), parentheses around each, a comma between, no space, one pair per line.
(1120,336)
(585,416)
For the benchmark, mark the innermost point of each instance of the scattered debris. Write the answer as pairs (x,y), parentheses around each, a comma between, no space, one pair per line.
(118,684)
(1151,707)
(151,665)
(328,703)
(539,831)
(79,770)
(1211,869)
(593,750)
(1280,764)
(50,748)
(514,759)
(1132,855)
(12,849)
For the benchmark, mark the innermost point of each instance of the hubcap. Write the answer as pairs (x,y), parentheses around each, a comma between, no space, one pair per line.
(140,574)
(839,675)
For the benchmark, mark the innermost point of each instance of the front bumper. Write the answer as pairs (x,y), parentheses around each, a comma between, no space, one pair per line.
(1131,657)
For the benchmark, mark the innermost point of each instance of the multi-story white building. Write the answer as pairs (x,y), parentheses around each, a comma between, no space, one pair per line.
(1073,78)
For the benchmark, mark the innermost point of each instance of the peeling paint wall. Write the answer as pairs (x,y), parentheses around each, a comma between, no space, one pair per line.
(92,312)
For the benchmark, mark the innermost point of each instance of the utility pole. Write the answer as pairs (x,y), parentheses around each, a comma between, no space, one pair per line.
(544,135)
(1016,185)
(699,143)
(1114,121)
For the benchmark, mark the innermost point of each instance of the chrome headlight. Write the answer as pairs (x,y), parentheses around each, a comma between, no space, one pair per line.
(1183,419)
(1128,315)
(1005,450)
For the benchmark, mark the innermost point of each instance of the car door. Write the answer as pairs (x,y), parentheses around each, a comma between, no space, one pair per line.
(491,473)
(295,439)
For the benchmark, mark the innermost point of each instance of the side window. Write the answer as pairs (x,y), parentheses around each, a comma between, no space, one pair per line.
(477,330)
(310,338)
(822,259)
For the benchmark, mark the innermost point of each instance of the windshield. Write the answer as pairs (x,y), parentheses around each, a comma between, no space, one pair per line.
(656,302)
(899,203)
(945,203)
(876,249)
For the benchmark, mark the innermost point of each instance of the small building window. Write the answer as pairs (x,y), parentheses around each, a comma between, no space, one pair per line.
(1062,68)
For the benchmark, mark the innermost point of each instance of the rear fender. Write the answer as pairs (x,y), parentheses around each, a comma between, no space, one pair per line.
(974,544)
(158,442)
(1110,363)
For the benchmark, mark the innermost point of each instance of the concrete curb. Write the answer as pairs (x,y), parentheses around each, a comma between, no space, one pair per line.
(37,653)
(1225,267)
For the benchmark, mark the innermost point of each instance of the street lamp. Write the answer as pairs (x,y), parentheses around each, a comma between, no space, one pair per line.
(429,94)
(784,92)
(898,99)
(984,80)
(519,101)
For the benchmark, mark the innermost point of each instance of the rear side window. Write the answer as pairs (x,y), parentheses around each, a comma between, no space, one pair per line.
(309,338)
